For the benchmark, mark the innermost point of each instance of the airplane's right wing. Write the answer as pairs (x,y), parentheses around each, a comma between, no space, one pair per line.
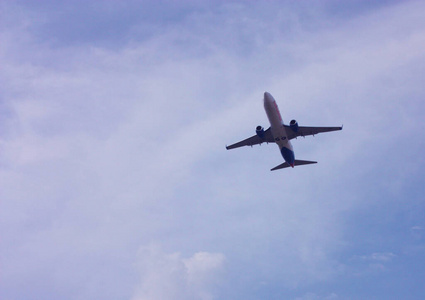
(308,130)
(254,140)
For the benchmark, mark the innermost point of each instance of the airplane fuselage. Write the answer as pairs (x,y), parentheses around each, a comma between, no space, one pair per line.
(278,129)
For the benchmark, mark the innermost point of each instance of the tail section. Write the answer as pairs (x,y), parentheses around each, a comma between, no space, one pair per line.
(296,163)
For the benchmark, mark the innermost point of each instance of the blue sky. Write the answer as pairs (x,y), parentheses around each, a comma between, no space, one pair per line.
(115,182)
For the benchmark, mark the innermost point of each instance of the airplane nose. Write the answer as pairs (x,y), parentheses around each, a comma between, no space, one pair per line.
(267,97)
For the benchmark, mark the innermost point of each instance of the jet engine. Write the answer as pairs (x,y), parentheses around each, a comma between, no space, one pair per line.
(294,125)
(260,131)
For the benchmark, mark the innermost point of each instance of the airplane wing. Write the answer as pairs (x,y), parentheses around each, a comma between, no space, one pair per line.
(254,140)
(307,130)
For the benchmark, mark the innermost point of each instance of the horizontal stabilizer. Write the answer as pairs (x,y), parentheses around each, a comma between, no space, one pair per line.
(296,163)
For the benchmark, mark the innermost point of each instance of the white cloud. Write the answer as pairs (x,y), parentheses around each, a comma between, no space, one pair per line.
(169,276)
(379,256)
(372,263)
(313,296)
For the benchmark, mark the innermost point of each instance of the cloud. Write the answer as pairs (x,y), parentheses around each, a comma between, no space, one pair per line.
(372,263)
(313,296)
(379,256)
(109,144)
(169,276)
(417,232)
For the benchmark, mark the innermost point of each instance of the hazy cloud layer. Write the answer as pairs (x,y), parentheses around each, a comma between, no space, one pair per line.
(114,179)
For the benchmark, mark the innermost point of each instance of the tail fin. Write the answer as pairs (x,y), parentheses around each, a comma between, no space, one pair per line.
(296,163)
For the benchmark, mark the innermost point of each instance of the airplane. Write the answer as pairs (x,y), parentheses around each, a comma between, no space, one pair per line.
(281,134)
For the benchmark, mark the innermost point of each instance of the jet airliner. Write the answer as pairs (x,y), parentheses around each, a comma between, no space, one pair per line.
(281,134)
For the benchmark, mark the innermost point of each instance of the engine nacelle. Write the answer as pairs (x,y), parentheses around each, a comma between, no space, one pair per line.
(260,131)
(294,125)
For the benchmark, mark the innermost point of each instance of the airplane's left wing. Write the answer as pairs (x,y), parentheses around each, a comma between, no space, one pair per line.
(254,140)
(307,130)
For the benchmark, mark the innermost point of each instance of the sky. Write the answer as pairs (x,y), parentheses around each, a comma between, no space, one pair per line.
(114,178)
